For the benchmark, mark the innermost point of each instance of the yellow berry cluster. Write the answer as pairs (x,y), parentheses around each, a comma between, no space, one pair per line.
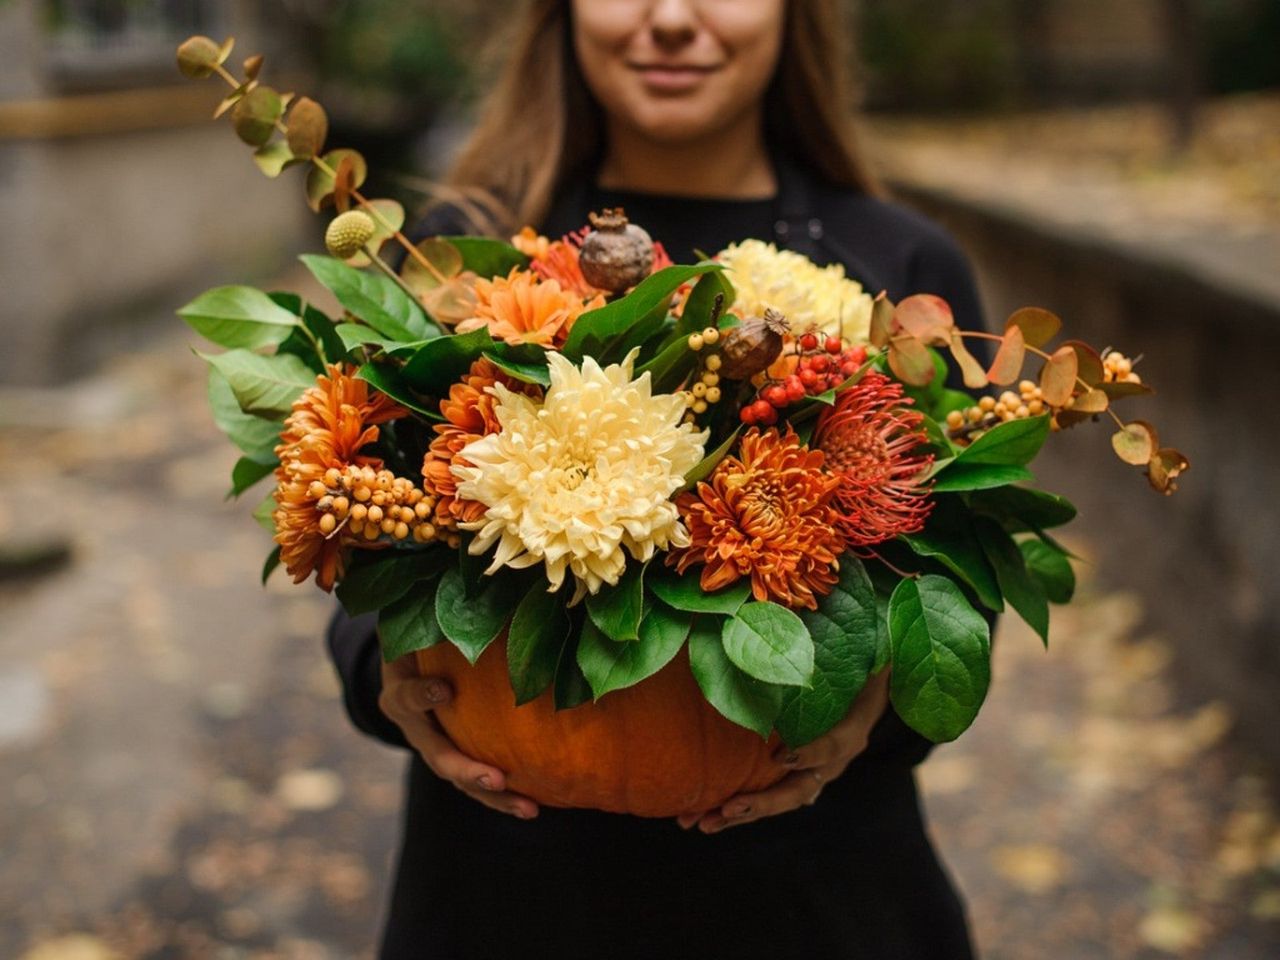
(375,503)
(706,389)
(972,422)
(1117,368)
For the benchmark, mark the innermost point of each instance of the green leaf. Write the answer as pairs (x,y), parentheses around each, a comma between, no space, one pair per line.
(472,622)
(1050,568)
(1024,509)
(440,363)
(273,157)
(375,299)
(238,317)
(246,473)
(669,368)
(611,665)
(265,386)
(941,657)
(264,512)
(255,436)
(378,578)
(535,641)
(684,592)
(270,564)
(954,476)
(596,331)
(771,643)
(409,624)
(355,335)
(1023,593)
(743,699)
(524,372)
(707,465)
(702,299)
(617,610)
(949,538)
(486,257)
(844,629)
(387,379)
(1014,442)
(571,686)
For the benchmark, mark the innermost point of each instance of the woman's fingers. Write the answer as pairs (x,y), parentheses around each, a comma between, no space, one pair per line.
(687,820)
(402,696)
(793,791)
(504,802)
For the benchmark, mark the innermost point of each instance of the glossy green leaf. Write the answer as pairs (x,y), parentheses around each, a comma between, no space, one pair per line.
(949,538)
(701,303)
(539,630)
(957,476)
(1050,568)
(685,592)
(246,473)
(263,513)
(611,665)
(440,363)
(670,367)
(378,578)
(707,465)
(740,698)
(269,565)
(264,386)
(409,623)
(771,643)
(941,657)
(1022,592)
(375,299)
(1015,442)
(617,610)
(525,372)
(571,686)
(596,331)
(1024,509)
(355,335)
(472,622)
(387,379)
(255,436)
(238,317)
(844,631)
(487,257)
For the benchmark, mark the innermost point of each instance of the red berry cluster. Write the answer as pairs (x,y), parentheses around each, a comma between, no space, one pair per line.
(816,371)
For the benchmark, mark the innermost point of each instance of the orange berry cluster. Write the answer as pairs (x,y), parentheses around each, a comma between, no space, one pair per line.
(1117,368)
(375,503)
(972,422)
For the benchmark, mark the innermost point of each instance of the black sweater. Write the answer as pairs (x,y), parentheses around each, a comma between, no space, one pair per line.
(852,876)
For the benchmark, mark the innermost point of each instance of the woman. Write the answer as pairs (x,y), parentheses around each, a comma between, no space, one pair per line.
(709,121)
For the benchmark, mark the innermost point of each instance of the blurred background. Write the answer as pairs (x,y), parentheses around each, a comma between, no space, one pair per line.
(177,776)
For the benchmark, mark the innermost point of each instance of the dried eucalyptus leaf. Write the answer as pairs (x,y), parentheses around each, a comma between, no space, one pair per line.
(197,57)
(308,127)
(255,115)
(1007,364)
(1136,442)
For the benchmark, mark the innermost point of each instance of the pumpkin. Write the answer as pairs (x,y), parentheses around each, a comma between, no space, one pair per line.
(656,749)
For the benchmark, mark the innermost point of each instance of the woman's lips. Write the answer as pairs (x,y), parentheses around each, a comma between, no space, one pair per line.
(669,79)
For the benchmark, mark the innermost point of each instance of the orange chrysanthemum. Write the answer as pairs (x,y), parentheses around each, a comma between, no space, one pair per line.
(522,308)
(330,423)
(872,439)
(766,514)
(469,412)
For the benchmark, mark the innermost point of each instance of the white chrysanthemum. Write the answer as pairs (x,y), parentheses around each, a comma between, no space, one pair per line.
(808,295)
(574,479)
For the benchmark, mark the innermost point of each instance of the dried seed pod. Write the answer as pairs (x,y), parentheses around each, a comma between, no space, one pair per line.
(616,254)
(753,345)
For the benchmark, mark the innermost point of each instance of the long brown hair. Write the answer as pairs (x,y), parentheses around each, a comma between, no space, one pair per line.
(540,127)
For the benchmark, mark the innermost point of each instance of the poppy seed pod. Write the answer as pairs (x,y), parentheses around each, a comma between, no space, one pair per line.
(616,254)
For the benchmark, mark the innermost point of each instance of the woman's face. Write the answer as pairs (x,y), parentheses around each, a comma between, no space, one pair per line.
(677,70)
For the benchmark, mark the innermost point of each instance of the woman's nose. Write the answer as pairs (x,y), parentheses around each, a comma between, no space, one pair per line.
(673,23)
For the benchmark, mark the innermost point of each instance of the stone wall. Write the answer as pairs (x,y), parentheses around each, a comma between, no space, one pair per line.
(1207,560)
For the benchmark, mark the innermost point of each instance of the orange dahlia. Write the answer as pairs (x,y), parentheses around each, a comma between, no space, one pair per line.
(521,308)
(322,438)
(469,412)
(767,514)
(872,440)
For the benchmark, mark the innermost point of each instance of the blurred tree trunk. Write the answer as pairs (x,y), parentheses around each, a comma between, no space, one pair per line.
(1183,70)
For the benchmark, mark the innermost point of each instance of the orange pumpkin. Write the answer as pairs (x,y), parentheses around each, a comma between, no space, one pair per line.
(656,749)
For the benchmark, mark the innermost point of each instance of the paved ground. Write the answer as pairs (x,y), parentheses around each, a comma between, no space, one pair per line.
(177,778)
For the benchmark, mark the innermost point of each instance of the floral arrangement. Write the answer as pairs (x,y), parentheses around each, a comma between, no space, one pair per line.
(610,468)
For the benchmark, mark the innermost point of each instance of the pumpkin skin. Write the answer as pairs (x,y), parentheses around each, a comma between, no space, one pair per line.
(656,749)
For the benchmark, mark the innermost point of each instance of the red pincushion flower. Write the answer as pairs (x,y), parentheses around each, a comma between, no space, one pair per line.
(872,441)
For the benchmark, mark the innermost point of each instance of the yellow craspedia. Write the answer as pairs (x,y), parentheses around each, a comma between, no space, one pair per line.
(348,233)
(792,284)
(583,477)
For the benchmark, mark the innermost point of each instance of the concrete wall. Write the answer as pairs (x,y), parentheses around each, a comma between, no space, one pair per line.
(1207,560)
(103,230)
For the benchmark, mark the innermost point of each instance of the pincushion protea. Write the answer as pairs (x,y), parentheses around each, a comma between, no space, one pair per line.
(766,513)
(872,438)
(329,425)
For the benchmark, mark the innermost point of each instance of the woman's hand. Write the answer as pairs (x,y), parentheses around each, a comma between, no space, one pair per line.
(408,700)
(813,766)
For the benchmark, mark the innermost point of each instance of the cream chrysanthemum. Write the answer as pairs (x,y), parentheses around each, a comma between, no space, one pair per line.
(808,295)
(583,477)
